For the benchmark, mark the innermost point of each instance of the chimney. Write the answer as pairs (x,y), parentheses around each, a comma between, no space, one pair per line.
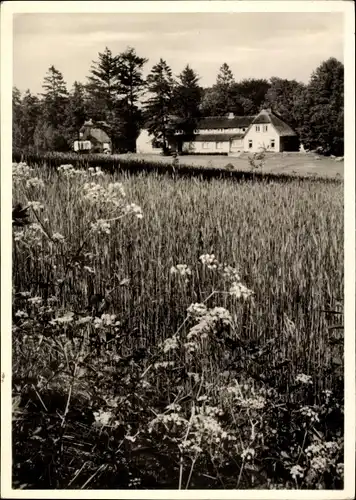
(230,116)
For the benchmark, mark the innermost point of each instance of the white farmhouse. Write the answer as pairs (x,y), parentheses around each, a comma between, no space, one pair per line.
(230,135)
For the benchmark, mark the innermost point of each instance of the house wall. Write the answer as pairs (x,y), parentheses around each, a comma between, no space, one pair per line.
(82,145)
(144,144)
(236,145)
(209,147)
(262,138)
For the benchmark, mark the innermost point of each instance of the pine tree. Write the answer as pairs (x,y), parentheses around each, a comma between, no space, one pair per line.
(225,78)
(103,87)
(159,107)
(131,86)
(219,100)
(323,109)
(187,98)
(55,97)
(76,113)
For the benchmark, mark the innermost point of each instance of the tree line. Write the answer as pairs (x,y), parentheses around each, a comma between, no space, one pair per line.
(117,93)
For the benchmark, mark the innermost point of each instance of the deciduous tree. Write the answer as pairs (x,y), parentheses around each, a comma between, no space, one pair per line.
(323,109)
(285,96)
(250,93)
(27,111)
(17,129)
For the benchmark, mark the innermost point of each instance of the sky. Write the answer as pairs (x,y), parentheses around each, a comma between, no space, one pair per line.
(254,45)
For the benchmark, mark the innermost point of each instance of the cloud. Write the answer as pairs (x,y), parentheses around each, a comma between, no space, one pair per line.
(289,45)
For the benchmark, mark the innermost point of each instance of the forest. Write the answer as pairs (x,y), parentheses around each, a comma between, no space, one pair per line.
(117,92)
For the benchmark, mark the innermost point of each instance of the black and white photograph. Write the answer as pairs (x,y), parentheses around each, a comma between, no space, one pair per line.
(178,262)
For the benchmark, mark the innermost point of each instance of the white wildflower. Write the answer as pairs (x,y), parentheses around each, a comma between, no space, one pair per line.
(118,188)
(85,320)
(35,182)
(203,327)
(132,208)
(100,227)
(163,364)
(35,300)
(296,471)
(309,413)
(238,290)
(194,376)
(170,344)
(190,347)
(303,379)
(102,417)
(108,319)
(66,318)
(21,172)
(36,205)
(181,269)
(21,314)
(209,260)
(340,469)
(58,237)
(231,273)
(220,314)
(197,310)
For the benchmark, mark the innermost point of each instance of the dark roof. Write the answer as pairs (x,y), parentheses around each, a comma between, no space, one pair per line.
(268,116)
(216,137)
(223,122)
(214,122)
(95,133)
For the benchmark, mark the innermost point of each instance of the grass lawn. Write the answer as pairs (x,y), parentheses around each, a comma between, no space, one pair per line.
(287,163)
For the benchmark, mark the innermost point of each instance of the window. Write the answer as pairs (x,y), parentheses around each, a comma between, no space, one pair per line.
(243,130)
(265,128)
(196,131)
(206,145)
(84,145)
(273,143)
(258,128)
(219,145)
(250,144)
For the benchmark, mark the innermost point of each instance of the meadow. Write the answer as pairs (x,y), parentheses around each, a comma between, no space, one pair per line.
(291,163)
(176,331)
